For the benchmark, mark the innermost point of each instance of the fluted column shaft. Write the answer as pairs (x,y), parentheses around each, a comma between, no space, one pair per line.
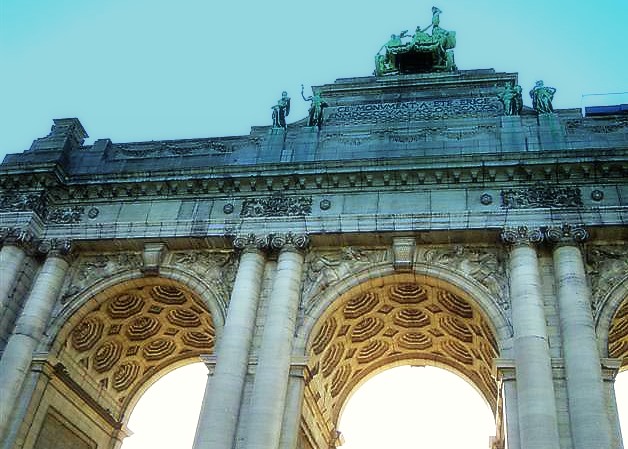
(11,260)
(221,406)
(590,426)
(29,329)
(271,376)
(538,425)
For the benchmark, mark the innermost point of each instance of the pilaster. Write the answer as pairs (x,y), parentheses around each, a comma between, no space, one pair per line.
(590,426)
(538,423)
(30,326)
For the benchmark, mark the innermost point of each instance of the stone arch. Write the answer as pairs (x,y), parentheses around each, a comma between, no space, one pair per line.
(379,318)
(122,334)
(612,324)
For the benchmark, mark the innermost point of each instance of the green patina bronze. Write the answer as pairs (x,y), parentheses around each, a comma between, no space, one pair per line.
(542,97)
(512,99)
(420,53)
(281,110)
(315,115)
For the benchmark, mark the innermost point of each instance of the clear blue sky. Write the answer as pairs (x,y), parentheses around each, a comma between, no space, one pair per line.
(135,70)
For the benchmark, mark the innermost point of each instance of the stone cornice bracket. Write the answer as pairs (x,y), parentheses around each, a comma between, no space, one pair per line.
(521,235)
(251,242)
(152,256)
(566,234)
(403,249)
(289,241)
(61,248)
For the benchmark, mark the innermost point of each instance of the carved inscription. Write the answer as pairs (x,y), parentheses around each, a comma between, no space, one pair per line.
(416,110)
(276,206)
(541,196)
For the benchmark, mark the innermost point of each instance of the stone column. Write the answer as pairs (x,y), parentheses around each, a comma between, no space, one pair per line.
(30,327)
(506,376)
(590,426)
(12,257)
(538,424)
(221,406)
(294,404)
(271,376)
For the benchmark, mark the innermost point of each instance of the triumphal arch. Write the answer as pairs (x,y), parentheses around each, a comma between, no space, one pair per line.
(422,215)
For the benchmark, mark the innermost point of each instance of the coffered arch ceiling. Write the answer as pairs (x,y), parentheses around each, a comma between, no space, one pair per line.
(618,335)
(385,324)
(131,334)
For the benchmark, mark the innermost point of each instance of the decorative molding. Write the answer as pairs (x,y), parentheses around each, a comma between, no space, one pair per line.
(325,267)
(289,240)
(56,248)
(276,206)
(251,241)
(17,237)
(607,266)
(521,235)
(541,196)
(152,256)
(196,147)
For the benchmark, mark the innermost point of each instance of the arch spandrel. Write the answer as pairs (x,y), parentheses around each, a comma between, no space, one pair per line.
(393,319)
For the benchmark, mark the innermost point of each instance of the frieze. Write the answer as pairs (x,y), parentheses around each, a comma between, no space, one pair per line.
(276,206)
(65,215)
(485,265)
(23,202)
(218,268)
(198,147)
(597,127)
(327,267)
(541,196)
(607,266)
(90,269)
(417,110)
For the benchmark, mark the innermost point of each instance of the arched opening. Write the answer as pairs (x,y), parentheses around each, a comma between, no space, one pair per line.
(167,413)
(120,342)
(390,322)
(618,349)
(409,407)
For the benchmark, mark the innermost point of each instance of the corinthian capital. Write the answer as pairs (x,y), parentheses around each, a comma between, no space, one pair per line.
(521,235)
(61,248)
(567,234)
(17,237)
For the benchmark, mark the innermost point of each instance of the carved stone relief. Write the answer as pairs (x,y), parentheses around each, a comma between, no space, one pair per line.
(324,267)
(276,206)
(541,196)
(88,270)
(218,268)
(485,265)
(606,267)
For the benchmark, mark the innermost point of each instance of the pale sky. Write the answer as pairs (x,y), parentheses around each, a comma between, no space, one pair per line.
(134,70)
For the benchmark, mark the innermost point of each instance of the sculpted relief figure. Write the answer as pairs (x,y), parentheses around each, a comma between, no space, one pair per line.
(281,110)
(542,97)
